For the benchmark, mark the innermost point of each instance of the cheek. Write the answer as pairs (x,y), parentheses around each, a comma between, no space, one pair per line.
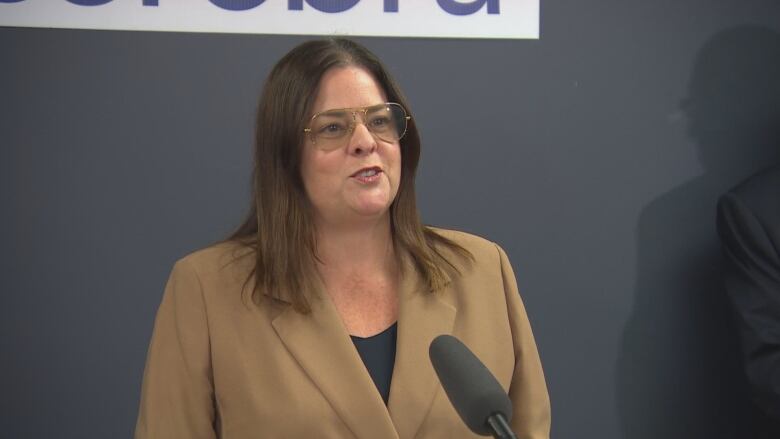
(306,171)
(396,158)
(319,173)
(311,175)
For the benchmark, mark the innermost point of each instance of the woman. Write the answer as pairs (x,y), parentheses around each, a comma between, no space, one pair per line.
(315,317)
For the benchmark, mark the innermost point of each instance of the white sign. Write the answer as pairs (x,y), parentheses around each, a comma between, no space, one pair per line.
(390,18)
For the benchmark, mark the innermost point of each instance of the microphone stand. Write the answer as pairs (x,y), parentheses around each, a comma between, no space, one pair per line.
(499,427)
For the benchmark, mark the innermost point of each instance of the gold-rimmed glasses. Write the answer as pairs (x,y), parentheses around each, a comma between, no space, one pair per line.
(331,129)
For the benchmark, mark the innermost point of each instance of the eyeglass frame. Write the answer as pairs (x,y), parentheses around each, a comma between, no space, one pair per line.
(354,111)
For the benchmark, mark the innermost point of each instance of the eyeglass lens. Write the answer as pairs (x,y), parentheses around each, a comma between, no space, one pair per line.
(385,121)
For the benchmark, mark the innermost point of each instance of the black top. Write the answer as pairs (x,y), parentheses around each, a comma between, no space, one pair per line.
(378,354)
(749,227)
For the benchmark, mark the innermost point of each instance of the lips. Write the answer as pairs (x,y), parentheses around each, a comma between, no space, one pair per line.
(367,172)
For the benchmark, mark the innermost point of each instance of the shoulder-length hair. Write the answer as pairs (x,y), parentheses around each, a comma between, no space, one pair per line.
(279,226)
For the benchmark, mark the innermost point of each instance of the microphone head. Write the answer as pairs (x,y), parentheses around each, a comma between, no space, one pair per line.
(472,389)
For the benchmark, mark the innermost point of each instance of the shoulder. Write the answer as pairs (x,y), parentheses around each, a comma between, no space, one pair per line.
(221,252)
(227,261)
(482,250)
(760,193)
(755,199)
(466,240)
(759,183)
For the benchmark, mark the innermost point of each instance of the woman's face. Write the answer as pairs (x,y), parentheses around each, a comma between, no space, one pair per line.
(358,179)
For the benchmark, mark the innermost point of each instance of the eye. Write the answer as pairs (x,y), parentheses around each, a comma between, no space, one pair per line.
(332,129)
(379,123)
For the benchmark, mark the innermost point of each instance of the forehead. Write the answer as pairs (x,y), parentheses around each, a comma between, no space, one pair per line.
(347,87)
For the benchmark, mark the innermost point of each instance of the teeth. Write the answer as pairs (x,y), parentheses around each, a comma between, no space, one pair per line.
(368,173)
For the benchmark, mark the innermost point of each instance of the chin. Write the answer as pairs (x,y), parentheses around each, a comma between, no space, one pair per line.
(371,204)
(374,212)
(375,209)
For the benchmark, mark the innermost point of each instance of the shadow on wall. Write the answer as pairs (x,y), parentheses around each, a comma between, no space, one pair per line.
(679,375)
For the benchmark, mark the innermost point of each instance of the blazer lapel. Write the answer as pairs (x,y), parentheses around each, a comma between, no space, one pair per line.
(322,347)
(422,316)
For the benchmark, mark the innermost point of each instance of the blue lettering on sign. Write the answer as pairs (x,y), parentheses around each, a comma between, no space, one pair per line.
(89,2)
(331,6)
(93,2)
(453,7)
(237,5)
(457,8)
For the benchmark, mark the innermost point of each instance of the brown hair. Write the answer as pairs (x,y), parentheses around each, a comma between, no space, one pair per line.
(279,227)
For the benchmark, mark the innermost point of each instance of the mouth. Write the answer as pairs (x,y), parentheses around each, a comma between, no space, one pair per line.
(367,175)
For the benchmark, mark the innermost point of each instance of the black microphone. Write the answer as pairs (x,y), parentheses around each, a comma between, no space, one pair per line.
(474,392)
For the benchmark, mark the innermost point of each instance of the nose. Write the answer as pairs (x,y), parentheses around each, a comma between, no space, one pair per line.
(361,141)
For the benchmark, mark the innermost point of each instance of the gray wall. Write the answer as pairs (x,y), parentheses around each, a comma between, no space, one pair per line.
(594,156)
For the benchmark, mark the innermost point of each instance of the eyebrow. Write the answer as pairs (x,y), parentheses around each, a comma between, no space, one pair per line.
(334,112)
(350,109)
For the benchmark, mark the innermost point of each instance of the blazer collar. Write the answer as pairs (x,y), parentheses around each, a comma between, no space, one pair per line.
(321,345)
(422,315)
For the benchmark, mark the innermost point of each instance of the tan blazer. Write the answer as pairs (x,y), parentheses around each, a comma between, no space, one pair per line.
(220,367)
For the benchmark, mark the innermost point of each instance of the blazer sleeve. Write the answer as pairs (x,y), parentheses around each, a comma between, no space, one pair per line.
(528,390)
(177,396)
(752,279)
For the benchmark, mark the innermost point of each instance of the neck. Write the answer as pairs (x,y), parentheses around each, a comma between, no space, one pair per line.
(361,247)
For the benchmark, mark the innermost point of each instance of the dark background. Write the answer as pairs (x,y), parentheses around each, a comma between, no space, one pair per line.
(594,156)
